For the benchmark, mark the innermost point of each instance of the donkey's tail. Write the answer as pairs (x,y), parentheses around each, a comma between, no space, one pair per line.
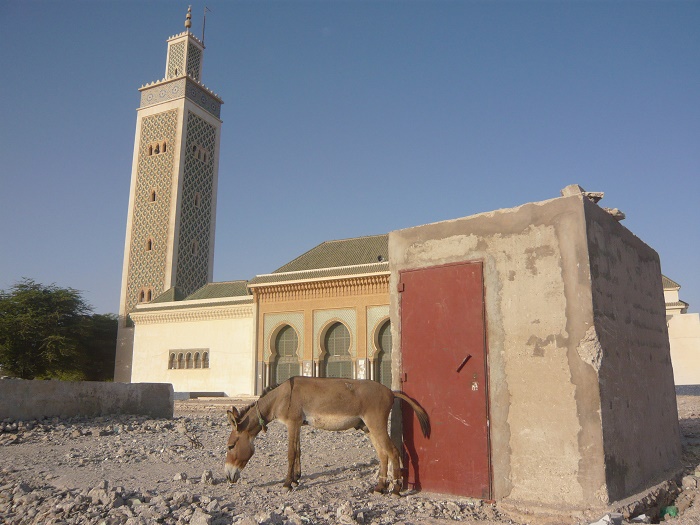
(421,414)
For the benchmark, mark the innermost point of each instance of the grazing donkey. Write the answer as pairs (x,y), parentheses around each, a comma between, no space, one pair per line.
(325,403)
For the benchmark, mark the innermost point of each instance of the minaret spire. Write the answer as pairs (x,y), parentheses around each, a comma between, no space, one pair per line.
(188,18)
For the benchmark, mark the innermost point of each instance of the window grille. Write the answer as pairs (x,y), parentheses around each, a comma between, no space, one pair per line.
(287,360)
(338,362)
(384,355)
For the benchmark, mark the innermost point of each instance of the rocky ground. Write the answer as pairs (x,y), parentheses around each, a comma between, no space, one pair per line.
(136,470)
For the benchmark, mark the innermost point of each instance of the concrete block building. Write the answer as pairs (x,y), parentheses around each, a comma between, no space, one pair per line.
(570,359)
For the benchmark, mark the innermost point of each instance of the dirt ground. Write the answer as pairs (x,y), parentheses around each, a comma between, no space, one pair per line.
(135,470)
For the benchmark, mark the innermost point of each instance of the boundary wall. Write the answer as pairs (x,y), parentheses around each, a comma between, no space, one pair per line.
(26,400)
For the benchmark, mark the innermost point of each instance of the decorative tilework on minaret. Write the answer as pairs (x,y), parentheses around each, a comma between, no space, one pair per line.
(172,202)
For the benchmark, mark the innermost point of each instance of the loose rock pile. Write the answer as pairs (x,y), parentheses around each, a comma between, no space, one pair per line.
(136,470)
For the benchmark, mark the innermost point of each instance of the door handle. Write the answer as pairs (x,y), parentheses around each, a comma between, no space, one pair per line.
(464,362)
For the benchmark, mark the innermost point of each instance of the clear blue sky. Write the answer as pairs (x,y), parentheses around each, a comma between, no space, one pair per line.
(344,119)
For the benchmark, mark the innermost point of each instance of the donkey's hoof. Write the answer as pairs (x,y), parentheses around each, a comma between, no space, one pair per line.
(379,490)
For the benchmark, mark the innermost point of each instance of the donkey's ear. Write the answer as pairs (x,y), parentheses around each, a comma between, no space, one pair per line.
(233,416)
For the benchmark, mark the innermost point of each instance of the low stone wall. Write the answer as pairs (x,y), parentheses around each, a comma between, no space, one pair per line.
(27,400)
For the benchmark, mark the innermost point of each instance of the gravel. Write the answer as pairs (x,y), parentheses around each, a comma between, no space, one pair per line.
(137,470)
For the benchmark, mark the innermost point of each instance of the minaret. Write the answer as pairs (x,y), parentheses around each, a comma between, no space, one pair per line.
(172,202)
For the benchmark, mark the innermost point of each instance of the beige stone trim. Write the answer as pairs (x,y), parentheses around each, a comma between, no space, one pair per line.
(200,314)
(318,289)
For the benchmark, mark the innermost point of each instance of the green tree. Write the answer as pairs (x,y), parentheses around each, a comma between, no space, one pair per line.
(42,330)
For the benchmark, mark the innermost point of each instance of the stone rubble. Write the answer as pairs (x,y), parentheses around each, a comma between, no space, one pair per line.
(137,470)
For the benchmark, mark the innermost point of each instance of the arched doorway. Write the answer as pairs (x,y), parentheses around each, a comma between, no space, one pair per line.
(286,363)
(336,344)
(383,359)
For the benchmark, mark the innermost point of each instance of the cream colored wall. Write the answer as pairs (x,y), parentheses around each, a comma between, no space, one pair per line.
(671,295)
(684,337)
(229,341)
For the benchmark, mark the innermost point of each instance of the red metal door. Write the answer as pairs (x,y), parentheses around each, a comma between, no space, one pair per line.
(444,367)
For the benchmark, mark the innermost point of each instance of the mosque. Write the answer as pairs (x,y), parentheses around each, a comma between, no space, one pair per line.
(326,313)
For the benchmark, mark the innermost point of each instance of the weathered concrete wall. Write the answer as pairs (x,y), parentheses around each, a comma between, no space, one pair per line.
(26,400)
(641,437)
(547,441)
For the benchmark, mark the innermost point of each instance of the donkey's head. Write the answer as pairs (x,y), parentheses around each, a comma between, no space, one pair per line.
(240,444)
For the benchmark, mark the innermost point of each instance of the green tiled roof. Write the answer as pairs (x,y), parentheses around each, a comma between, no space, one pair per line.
(220,290)
(346,252)
(150,307)
(169,295)
(360,255)
(668,283)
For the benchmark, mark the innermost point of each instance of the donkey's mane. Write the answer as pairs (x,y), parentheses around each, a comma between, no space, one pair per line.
(244,412)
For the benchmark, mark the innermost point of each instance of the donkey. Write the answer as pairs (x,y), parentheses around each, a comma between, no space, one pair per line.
(325,403)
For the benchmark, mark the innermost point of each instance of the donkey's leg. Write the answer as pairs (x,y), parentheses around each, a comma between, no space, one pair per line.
(382,483)
(395,458)
(297,462)
(293,434)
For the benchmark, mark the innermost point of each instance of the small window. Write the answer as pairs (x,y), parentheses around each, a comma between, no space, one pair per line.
(142,296)
(156,148)
(195,247)
(197,199)
(149,245)
(188,360)
(172,363)
(205,360)
(149,295)
(200,153)
(197,360)
(153,196)
(181,360)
